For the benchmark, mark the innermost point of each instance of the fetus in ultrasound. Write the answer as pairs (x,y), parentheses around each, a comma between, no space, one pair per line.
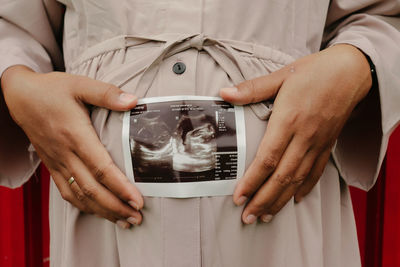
(151,146)
(195,144)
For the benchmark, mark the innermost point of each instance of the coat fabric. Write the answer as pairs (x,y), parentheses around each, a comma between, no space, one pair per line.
(134,44)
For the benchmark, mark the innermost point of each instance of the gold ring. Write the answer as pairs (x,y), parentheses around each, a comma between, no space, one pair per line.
(71,180)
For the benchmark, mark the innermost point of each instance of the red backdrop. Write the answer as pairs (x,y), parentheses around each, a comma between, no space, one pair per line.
(24,228)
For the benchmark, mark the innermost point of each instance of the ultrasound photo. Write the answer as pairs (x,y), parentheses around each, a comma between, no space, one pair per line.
(183,141)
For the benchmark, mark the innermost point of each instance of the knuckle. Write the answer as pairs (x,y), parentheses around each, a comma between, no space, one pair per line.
(65,132)
(67,135)
(100,172)
(293,117)
(299,180)
(269,163)
(311,133)
(89,191)
(80,196)
(283,180)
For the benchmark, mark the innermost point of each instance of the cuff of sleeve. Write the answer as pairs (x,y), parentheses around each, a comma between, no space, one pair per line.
(17,47)
(361,147)
(21,172)
(36,64)
(17,162)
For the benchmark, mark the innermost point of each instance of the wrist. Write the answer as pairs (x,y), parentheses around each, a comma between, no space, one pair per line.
(357,65)
(13,74)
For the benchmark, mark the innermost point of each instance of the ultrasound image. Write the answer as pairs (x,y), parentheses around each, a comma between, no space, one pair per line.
(194,144)
(183,141)
(151,146)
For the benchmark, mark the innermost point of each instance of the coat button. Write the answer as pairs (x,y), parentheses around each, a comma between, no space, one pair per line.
(179,67)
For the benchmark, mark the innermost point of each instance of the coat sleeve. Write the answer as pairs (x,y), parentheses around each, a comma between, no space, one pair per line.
(361,147)
(28,30)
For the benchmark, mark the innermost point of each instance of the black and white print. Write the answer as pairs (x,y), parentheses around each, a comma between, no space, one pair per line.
(184,146)
(183,141)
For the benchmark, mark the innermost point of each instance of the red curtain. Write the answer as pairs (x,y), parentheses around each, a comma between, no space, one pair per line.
(24,228)
(391,220)
(377,213)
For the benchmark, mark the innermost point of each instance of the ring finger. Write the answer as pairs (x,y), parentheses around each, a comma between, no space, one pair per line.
(92,205)
(67,192)
(281,179)
(298,179)
(89,190)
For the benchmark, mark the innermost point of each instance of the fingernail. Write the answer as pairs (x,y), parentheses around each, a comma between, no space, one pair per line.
(241,200)
(229,90)
(266,218)
(126,98)
(250,219)
(133,220)
(134,205)
(123,224)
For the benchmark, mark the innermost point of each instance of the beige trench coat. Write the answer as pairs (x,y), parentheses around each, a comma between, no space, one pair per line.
(134,45)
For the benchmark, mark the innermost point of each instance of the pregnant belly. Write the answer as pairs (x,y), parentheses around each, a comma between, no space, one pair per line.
(156,143)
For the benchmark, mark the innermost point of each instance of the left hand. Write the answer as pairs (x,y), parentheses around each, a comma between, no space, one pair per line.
(314,97)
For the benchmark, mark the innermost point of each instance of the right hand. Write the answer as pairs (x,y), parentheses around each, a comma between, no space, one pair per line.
(51,110)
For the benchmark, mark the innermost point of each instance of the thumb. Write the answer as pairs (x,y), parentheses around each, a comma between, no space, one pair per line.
(255,90)
(105,95)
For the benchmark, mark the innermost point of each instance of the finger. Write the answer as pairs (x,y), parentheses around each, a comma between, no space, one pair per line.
(270,151)
(89,149)
(298,179)
(92,190)
(90,203)
(102,94)
(255,90)
(98,211)
(73,194)
(67,193)
(314,175)
(58,174)
(279,181)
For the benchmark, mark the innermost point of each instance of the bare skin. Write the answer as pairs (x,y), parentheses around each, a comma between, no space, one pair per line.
(51,110)
(314,97)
